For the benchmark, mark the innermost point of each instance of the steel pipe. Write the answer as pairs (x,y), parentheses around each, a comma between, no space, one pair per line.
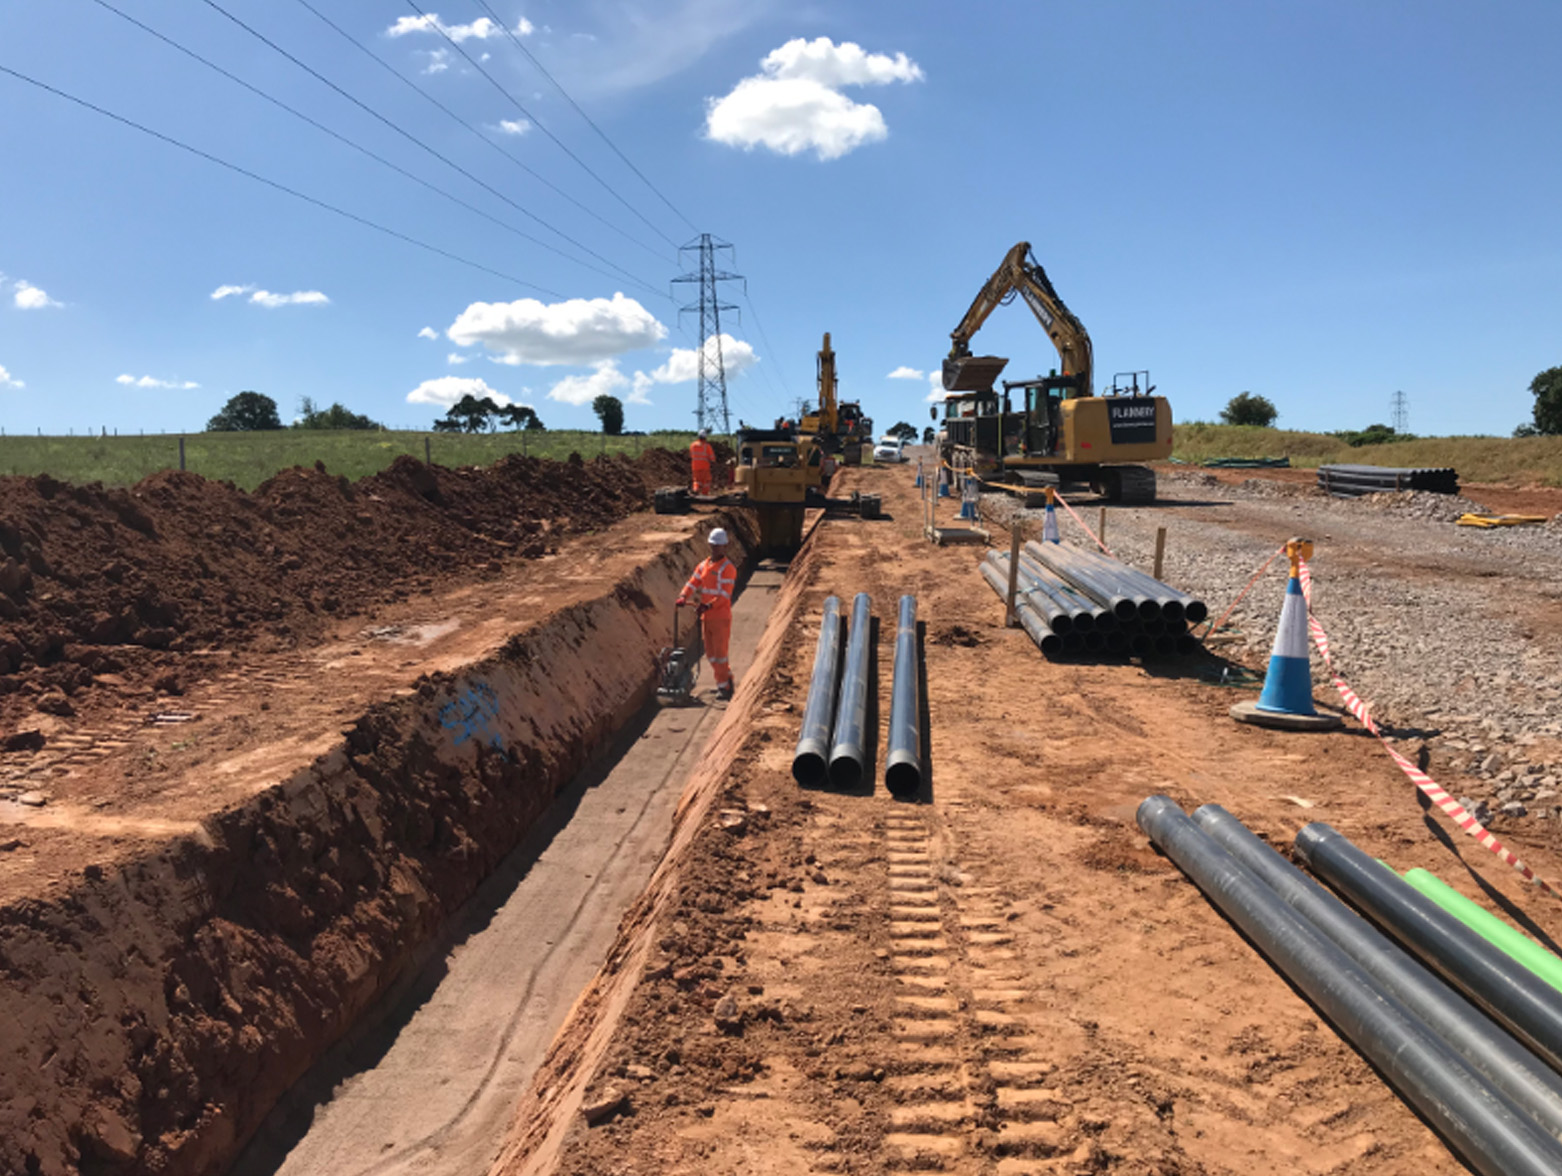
(1486,1128)
(1031,621)
(847,753)
(1505,1063)
(903,764)
(1512,994)
(1175,604)
(809,761)
(996,574)
(1086,612)
(1125,605)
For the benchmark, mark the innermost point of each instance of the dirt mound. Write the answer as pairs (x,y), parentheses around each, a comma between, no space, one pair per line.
(98,582)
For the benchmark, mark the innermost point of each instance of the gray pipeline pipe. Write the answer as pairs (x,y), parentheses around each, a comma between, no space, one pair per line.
(1046,640)
(1487,1130)
(903,764)
(1086,612)
(1512,994)
(810,759)
(1147,593)
(1504,1063)
(848,752)
(1125,605)
(997,576)
(1060,598)
(1194,609)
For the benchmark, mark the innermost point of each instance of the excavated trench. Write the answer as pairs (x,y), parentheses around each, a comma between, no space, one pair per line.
(359,968)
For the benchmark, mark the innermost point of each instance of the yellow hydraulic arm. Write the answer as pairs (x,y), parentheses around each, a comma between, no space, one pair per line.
(828,418)
(1020,273)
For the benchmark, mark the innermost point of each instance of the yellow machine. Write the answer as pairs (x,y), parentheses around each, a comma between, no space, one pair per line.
(839,427)
(1057,428)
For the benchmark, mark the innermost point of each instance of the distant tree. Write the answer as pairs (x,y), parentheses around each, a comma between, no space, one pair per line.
(1372,435)
(445,425)
(246,412)
(522,416)
(1547,390)
(1247,409)
(928,436)
(471,415)
(1526,431)
(610,411)
(905,432)
(335,417)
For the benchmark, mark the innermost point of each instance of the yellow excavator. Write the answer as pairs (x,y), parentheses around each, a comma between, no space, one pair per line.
(1056,428)
(840,427)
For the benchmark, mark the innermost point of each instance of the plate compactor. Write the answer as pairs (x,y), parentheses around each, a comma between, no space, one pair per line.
(679,666)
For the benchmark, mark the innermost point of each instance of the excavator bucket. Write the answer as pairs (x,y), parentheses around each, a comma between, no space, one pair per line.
(973,373)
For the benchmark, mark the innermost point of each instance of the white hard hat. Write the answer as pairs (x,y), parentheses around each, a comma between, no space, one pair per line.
(718,538)
(704,433)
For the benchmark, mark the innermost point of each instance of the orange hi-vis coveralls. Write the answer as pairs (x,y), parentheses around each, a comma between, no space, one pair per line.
(711,588)
(702,454)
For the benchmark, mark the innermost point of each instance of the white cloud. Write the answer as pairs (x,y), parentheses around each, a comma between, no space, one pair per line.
(152,382)
(906,373)
(446,390)
(428,333)
(577,331)
(479,30)
(7,380)
(514,126)
(438,61)
(30,297)
(604,378)
(269,300)
(935,388)
(642,384)
(796,105)
(455,358)
(683,364)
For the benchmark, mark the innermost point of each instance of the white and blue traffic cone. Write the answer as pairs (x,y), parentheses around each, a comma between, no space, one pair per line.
(1287,698)
(919,473)
(1049,526)
(968,499)
(943,482)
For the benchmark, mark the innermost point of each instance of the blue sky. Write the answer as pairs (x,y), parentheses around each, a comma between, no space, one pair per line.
(1322,203)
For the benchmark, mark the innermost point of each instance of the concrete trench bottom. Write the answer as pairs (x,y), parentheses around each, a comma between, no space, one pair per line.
(359,970)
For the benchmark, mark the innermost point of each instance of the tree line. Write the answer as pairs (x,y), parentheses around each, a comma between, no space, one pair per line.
(252,411)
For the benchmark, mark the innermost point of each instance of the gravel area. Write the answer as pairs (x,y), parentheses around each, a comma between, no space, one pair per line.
(1453,635)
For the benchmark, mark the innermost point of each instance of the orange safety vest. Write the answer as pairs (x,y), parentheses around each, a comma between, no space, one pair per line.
(701,453)
(711,585)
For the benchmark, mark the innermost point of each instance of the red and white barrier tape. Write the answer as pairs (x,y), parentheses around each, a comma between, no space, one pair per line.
(1081,522)
(1455,811)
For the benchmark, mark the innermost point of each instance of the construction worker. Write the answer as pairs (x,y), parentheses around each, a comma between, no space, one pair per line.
(710,590)
(702,455)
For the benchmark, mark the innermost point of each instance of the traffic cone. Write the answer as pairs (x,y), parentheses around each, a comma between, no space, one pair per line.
(943,481)
(919,473)
(968,497)
(1049,526)
(1287,698)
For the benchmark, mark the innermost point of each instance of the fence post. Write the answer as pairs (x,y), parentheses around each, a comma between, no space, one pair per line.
(428,451)
(1014,571)
(1160,549)
(181,454)
(1101,527)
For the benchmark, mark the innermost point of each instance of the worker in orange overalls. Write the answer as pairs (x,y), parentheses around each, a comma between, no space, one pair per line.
(710,589)
(702,455)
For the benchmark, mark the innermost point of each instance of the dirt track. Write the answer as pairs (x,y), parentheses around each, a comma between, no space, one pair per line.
(1006,978)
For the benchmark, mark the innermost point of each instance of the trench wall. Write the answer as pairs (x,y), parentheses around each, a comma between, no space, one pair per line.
(152,1014)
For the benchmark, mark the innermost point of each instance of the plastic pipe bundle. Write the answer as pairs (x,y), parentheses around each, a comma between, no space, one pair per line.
(1500,1059)
(1485,1126)
(1512,995)
(813,744)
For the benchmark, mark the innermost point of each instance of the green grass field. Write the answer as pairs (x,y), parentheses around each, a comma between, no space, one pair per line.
(1520,461)
(248,459)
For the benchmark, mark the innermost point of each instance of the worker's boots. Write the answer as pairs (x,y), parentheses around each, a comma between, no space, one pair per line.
(724,690)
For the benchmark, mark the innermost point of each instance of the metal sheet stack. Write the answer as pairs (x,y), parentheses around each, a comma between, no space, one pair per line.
(1073,601)
(1351,481)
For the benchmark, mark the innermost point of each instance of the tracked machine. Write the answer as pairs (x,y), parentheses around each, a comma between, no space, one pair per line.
(838,427)
(1053,428)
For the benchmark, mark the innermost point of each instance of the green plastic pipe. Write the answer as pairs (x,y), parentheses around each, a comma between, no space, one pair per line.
(1514,943)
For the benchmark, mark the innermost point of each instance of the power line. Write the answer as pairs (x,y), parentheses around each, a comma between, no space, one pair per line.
(758,322)
(516,41)
(484,139)
(380,159)
(411,138)
(434,24)
(280,187)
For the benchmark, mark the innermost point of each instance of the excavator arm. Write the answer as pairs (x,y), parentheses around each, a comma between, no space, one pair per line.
(1020,273)
(829,420)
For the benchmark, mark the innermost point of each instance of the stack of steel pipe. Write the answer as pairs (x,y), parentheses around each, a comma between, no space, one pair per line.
(1351,481)
(1500,1109)
(1095,605)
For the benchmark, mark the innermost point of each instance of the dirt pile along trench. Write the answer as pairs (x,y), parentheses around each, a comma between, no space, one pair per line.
(113,585)
(159,992)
